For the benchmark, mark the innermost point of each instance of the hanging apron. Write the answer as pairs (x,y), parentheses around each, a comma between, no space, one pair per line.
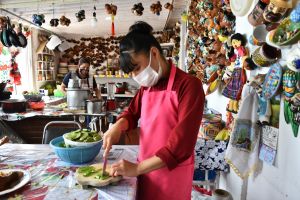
(159,115)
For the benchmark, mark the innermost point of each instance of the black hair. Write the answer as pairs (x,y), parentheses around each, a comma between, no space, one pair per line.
(139,39)
(239,37)
(84,60)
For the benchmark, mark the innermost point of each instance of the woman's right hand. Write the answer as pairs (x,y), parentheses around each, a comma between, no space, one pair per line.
(111,136)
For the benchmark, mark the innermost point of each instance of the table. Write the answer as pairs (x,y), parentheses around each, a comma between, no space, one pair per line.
(53,179)
(49,113)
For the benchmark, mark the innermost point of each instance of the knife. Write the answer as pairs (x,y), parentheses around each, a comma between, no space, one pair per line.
(104,165)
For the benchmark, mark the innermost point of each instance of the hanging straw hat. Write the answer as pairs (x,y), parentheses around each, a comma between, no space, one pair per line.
(240,7)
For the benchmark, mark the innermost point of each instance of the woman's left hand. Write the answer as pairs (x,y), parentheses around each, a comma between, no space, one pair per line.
(124,168)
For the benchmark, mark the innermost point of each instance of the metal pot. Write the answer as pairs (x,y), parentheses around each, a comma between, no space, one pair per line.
(95,106)
(76,98)
(13,106)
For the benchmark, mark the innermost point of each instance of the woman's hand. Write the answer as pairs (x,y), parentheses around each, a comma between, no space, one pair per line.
(124,168)
(111,136)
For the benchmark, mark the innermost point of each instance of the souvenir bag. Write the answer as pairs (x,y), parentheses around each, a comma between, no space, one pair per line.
(210,155)
(243,147)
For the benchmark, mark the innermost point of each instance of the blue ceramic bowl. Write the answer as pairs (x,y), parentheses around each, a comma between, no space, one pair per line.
(75,155)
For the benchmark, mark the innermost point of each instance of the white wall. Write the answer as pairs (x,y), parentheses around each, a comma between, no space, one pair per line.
(278,182)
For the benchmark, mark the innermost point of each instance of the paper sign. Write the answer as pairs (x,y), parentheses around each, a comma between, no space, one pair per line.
(270,136)
(269,144)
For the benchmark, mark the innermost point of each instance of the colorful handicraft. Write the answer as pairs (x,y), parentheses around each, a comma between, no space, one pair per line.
(210,23)
(238,77)
(272,82)
(291,89)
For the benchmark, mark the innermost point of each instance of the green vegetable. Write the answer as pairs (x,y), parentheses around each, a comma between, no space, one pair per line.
(83,135)
(102,177)
(63,145)
(87,170)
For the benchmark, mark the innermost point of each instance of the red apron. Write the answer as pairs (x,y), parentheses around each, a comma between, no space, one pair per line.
(159,115)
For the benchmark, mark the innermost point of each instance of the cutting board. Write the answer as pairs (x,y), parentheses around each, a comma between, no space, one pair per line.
(92,181)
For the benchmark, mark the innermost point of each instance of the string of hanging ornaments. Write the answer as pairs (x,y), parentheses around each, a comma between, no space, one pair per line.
(111,9)
(94,19)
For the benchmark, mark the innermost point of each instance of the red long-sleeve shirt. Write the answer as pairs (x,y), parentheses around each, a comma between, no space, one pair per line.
(182,140)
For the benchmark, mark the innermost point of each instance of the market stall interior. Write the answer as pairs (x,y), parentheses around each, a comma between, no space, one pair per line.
(62,88)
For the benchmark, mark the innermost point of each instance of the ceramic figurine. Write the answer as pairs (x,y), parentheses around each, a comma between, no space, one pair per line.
(276,10)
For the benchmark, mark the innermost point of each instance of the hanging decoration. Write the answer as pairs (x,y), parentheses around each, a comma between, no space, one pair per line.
(137,9)
(15,74)
(168,6)
(3,22)
(38,19)
(94,19)
(210,24)
(111,9)
(156,8)
(64,21)
(53,21)
(80,15)
(242,151)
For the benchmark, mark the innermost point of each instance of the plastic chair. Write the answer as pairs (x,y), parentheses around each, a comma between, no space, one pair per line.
(50,133)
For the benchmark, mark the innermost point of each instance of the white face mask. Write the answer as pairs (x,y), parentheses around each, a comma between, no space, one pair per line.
(148,77)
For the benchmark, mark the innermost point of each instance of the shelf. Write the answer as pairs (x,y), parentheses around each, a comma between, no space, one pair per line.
(103,80)
(45,70)
(120,95)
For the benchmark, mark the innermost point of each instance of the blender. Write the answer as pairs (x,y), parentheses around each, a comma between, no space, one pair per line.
(111,102)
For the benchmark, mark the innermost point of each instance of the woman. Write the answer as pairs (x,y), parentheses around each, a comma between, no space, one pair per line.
(170,106)
(81,73)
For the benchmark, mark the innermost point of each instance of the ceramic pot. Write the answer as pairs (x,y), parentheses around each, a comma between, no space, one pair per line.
(220,194)
(266,55)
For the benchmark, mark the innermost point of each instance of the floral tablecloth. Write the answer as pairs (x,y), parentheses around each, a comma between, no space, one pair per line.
(54,179)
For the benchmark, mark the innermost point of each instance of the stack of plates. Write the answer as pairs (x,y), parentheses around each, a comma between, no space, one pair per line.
(63,70)
(72,67)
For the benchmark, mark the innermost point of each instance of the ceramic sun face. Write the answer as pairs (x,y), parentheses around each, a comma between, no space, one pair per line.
(274,13)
